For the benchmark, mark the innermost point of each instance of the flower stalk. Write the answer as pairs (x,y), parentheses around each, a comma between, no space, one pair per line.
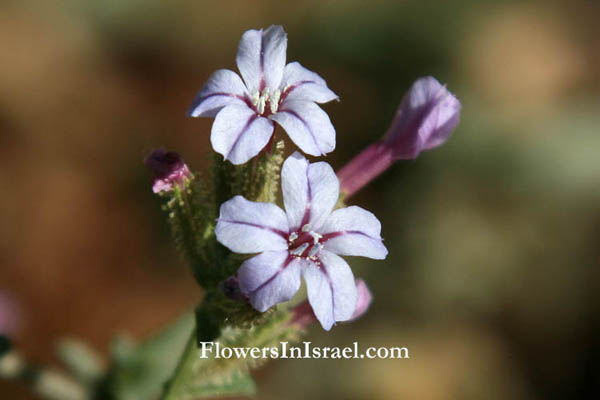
(425,119)
(365,167)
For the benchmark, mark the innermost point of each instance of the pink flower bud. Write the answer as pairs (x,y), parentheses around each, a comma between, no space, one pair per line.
(303,315)
(364,299)
(425,119)
(168,169)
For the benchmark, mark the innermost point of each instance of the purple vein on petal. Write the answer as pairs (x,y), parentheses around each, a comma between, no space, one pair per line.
(267,228)
(323,270)
(306,217)
(280,270)
(312,135)
(196,103)
(295,86)
(332,235)
(262,83)
(252,118)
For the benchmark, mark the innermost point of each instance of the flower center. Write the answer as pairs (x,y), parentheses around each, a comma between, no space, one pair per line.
(305,243)
(266,102)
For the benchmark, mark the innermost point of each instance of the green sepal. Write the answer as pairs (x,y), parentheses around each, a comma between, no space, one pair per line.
(192,215)
(209,320)
(198,377)
(257,180)
(236,384)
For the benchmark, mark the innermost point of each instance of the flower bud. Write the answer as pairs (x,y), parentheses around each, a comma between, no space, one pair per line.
(425,118)
(231,288)
(168,170)
(364,299)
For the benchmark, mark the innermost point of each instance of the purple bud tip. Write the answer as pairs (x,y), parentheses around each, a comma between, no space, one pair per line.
(425,119)
(364,299)
(231,289)
(168,169)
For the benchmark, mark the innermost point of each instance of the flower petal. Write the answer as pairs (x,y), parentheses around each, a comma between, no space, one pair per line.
(307,125)
(300,83)
(239,134)
(310,191)
(224,87)
(250,227)
(270,278)
(261,57)
(331,289)
(353,231)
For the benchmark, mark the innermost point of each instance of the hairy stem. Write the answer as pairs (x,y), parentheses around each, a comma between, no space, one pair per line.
(174,386)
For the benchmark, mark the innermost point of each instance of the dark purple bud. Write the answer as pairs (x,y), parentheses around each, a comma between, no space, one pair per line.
(168,170)
(231,289)
(425,118)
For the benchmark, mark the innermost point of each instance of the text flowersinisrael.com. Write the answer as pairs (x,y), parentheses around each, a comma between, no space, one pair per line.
(304,350)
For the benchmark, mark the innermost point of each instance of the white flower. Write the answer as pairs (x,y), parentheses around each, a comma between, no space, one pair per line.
(244,111)
(304,241)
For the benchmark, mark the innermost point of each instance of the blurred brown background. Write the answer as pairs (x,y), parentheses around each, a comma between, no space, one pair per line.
(492,279)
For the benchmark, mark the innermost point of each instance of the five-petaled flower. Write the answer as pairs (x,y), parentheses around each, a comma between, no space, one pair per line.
(244,111)
(304,241)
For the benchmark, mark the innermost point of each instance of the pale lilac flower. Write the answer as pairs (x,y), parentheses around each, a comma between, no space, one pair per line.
(304,241)
(303,315)
(244,111)
(168,169)
(425,119)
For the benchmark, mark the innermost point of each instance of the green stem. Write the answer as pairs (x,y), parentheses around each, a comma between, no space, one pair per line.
(173,387)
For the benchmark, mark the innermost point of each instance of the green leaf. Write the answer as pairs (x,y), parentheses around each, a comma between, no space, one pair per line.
(139,371)
(81,360)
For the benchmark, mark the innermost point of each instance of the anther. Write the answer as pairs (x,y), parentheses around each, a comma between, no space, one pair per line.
(274,101)
(316,236)
(315,249)
(299,250)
